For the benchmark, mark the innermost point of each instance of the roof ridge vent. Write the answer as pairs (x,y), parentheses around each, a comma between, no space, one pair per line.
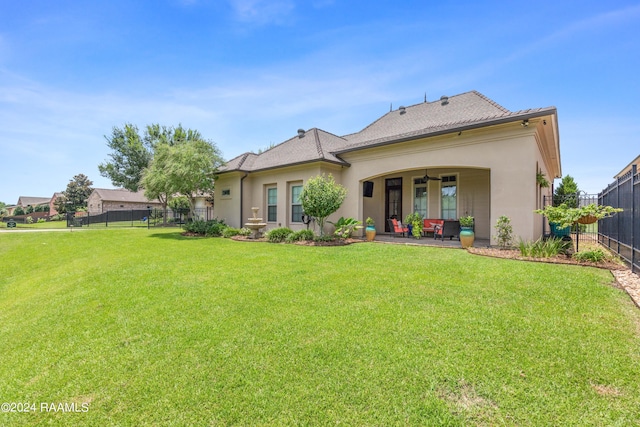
(402,109)
(301,133)
(444,100)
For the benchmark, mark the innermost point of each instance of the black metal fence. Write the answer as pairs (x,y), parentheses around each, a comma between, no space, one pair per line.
(138,218)
(622,232)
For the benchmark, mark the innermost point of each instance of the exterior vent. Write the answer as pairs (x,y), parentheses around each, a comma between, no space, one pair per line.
(444,100)
(301,133)
(402,110)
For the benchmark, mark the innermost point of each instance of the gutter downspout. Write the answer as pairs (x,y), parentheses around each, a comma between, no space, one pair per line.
(246,174)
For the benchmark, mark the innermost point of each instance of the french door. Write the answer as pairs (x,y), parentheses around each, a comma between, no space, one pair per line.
(393,200)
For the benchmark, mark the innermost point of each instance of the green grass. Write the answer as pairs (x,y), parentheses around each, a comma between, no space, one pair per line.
(150,328)
(40,225)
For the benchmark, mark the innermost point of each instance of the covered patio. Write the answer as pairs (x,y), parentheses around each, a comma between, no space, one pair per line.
(429,241)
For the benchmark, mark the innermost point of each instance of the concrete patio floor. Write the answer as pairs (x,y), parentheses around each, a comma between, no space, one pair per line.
(428,241)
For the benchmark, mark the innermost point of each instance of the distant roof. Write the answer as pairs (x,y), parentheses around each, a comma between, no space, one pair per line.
(122,195)
(448,114)
(25,201)
(628,168)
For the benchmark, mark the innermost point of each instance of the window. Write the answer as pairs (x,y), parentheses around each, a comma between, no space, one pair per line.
(420,196)
(296,207)
(272,204)
(225,193)
(449,193)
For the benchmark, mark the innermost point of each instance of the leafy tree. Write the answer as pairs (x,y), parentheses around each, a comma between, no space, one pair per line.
(132,153)
(60,203)
(320,197)
(566,192)
(78,191)
(29,210)
(179,203)
(186,168)
(42,208)
(18,211)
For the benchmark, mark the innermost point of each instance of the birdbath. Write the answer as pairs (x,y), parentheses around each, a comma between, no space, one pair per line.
(255,223)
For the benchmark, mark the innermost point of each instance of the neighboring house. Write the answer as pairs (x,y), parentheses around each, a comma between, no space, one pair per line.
(485,157)
(52,201)
(203,206)
(10,209)
(103,200)
(628,168)
(25,201)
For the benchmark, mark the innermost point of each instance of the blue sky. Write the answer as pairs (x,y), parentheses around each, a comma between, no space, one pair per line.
(249,73)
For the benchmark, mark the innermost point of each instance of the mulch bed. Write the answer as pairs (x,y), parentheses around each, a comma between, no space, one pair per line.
(559,259)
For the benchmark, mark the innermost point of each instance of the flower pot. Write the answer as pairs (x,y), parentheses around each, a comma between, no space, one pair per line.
(467,236)
(370,232)
(559,232)
(589,219)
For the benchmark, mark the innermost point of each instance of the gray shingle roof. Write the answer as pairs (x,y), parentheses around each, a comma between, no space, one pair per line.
(25,201)
(314,145)
(465,111)
(122,195)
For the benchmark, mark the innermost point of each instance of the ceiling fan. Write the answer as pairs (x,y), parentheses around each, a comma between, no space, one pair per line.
(426,177)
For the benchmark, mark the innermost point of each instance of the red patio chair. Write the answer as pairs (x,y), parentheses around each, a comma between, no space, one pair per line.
(396,227)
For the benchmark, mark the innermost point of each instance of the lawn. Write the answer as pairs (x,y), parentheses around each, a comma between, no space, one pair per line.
(146,327)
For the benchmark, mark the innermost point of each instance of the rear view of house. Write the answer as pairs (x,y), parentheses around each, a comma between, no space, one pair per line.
(457,156)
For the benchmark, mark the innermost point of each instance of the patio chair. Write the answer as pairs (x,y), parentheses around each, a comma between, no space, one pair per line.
(396,227)
(450,229)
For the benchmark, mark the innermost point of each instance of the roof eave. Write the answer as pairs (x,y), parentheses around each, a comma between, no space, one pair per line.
(339,163)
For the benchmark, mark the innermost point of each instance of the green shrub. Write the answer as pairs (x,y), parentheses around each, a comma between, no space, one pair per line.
(346,226)
(505,232)
(29,220)
(57,217)
(325,238)
(301,236)
(544,248)
(213,227)
(41,220)
(278,235)
(231,231)
(594,255)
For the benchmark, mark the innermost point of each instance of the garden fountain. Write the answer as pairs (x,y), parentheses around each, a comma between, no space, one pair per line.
(255,223)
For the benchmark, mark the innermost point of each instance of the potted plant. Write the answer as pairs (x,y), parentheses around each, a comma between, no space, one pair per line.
(593,212)
(562,217)
(370,230)
(414,223)
(467,236)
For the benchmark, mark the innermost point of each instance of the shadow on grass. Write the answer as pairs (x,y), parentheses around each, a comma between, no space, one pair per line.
(177,235)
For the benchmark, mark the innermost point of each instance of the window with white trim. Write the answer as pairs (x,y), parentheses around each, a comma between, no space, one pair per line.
(272,204)
(420,196)
(296,206)
(449,197)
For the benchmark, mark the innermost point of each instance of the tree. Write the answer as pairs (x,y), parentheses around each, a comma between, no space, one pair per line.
(566,192)
(132,153)
(60,203)
(18,211)
(78,191)
(186,168)
(320,197)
